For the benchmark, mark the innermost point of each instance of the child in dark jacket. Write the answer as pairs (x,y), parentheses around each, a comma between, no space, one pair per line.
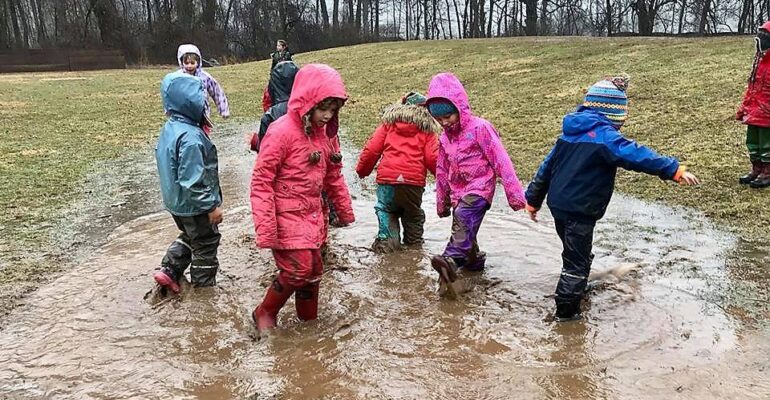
(578,176)
(279,87)
(189,182)
(755,113)
(406,146)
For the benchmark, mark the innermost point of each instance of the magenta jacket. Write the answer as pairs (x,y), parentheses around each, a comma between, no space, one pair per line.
(471,155)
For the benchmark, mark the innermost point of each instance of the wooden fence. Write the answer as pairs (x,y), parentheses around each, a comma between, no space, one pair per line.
(60,60)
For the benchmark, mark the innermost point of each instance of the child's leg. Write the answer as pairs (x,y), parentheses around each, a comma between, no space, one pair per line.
(752,142)
(388,234)
(176,260)
(409,198)
(204,240)
(763,154)
(753,145)
(577,241)
(306,297)
(466,221)
(298,271)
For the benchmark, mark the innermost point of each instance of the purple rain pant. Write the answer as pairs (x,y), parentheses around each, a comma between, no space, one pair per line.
(466,221)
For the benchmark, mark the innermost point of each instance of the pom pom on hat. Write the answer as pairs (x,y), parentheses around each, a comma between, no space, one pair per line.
(414,99)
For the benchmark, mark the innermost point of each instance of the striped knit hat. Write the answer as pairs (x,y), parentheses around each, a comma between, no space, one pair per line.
(608,97)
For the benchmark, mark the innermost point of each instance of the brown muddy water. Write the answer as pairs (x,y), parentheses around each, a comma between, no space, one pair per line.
(661,331)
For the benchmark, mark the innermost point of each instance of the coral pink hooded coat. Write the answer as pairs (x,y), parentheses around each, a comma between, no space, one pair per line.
(286,185)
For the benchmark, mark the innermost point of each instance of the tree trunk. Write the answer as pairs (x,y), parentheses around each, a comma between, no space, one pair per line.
(460,21)
(184,11)
(681,15)
(324,15)
(544,17)
(704,17)
(608,16)
(449,19)
(14,17)
(645,18)
(336,14)
(491,16)
(425,20)
(209,15)
(531,28)
(42,36)
(377,19)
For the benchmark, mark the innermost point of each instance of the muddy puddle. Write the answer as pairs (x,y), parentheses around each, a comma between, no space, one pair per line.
(657,332)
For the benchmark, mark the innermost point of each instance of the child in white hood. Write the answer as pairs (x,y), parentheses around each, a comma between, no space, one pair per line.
(189,58)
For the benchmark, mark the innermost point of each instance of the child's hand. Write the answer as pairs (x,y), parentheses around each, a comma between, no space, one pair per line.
(215,217)
(532,212)
(250,140)
(689,179)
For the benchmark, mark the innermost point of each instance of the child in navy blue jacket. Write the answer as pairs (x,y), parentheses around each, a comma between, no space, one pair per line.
(578,176)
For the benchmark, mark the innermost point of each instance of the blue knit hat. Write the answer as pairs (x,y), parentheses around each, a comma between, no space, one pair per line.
(608,97)
(441,108)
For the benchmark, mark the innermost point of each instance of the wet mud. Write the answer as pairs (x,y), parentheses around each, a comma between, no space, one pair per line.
(655,326)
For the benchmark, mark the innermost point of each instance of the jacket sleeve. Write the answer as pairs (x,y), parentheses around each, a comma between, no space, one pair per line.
(190,172)
(431,153)
(741,108)
(538,188)
(264,123)
(495,153)
(372,152)
(218,94)
(632,156)
(271,156)
(267,101)
(443,202)
(337,190)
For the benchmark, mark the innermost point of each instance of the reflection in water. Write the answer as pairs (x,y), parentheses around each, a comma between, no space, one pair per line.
(383,332)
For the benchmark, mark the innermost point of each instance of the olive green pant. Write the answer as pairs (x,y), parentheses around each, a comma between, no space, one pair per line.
(758,143)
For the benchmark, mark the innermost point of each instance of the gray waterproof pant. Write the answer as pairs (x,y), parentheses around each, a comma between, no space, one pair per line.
(196,246)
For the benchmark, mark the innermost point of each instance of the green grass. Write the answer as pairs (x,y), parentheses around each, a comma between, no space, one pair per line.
(684,93)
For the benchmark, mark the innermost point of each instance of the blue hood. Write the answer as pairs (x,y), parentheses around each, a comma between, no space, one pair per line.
(183,96)
(583,120)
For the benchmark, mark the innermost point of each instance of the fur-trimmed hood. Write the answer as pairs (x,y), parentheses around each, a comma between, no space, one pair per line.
(411,114)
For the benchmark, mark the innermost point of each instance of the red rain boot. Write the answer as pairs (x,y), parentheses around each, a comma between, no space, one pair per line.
(756,169)
(306,302)
(763,180)
(266,313)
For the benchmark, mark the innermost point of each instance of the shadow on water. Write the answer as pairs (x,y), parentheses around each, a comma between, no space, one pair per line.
(662,330)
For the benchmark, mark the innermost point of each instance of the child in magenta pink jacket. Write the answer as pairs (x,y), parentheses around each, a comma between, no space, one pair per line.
(470,161)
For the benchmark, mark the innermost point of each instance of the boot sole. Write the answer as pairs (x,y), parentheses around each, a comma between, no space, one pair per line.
(165,281)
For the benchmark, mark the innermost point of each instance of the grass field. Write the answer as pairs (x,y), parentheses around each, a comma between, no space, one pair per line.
(684,93)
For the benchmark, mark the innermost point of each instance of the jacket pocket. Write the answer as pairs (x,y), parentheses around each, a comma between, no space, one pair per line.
(289,205)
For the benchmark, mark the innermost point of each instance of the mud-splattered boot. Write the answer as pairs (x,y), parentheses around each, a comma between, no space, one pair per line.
(568,309)
(476,263)
(756,169)
(167,278)
(266,314)
(763,180)
(306,302)
(447,275)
